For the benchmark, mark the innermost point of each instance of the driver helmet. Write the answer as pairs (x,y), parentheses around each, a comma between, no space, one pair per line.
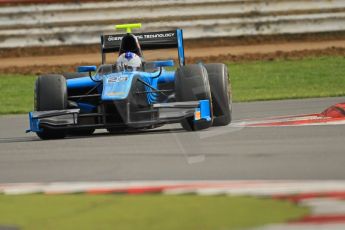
(129,61)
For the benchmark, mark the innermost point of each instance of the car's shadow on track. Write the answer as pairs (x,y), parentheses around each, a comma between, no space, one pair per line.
(95,135)
(131,133)
(18,139)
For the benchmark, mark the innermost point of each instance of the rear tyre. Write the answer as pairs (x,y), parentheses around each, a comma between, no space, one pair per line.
(221,93)
(50,94)
(191,84)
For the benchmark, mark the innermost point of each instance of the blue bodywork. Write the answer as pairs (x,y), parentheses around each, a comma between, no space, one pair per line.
(34,124)
(116,86)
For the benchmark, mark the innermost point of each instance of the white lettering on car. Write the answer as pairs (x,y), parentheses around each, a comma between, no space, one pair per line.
(111,38)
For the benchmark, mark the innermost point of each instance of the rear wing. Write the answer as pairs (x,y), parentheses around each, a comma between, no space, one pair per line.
(147,41)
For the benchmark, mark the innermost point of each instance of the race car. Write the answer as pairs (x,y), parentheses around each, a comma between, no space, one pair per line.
(122,96)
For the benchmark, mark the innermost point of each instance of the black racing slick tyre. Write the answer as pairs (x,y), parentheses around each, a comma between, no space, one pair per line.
(191,84)
(221,93)
(50,94)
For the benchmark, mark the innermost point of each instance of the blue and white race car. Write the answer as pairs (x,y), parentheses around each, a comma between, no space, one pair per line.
(132,93)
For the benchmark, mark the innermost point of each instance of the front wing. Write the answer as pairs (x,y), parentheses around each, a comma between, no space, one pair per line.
(167,113)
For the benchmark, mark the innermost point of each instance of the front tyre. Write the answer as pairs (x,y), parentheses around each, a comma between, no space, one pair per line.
(50,94)
(191,84)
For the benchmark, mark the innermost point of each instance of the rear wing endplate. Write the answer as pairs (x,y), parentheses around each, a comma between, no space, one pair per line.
(147,41)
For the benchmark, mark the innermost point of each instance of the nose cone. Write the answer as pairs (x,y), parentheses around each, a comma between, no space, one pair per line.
(116,86)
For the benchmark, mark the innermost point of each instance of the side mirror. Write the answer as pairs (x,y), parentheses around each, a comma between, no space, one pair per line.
(86,68)
(165,63)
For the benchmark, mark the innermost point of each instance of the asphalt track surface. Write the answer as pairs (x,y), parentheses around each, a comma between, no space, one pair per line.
(169,153)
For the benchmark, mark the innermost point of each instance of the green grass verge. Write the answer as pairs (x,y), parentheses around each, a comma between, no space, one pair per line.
(251,81)
(287,79)
(16,93)
(142,212)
